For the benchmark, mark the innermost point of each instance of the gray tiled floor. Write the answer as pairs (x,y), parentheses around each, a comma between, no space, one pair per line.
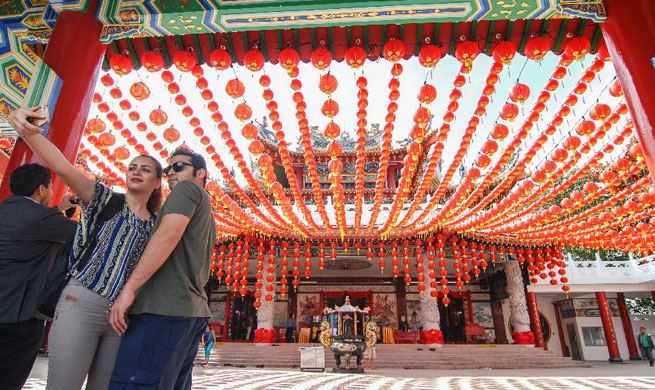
(603,376)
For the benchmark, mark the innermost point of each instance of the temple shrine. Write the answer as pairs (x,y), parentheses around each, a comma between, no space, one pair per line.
(465,173)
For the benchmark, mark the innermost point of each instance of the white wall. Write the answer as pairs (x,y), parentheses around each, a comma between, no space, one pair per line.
(601,352)
(545,305)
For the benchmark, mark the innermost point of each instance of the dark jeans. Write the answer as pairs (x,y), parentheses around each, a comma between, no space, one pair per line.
(157,352)
(19,343)
(289,334)
(647,353)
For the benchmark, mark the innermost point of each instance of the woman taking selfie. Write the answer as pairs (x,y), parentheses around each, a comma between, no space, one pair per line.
(114,229)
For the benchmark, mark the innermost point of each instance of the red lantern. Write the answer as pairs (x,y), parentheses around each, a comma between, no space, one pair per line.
(355,56)
(120,64)
(330,108)
(332,130)
(427,94)
(466,52)
(328,83)
(158,117)
(184,60)
(235,88)
(585,128)
(243,112)
(96,125)
(152,61)
(321,58)
(615,89)
(499,132)
(107,81)
(253,60)
(536,48)
(106,139)
(220,59)
(571,143)
(483,161)
(519,93)
(490,147)
(394,50)
(504,52)
(577,48)
(289,58)
(171,134)
(429,56)
(249,131)
(509,112)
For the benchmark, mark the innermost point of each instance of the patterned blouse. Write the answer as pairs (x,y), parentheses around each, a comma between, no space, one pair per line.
(121,242)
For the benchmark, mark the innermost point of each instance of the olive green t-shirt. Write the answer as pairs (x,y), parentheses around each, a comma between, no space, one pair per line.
(178,287)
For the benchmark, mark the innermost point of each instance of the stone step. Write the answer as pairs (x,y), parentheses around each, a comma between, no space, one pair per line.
(395,356)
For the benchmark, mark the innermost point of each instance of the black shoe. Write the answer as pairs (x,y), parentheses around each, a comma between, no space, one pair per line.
(651,363)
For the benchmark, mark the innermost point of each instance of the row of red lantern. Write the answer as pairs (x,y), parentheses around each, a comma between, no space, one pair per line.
(474,220)
(328,85)
(249,131)
(427,94)
(393,50)
(392,107)
(422,117)
(545,184)
(303,125)
(362,104)
(577,200)
(554,176)
(547,176)
(241,112)
(461,153)
(500,132)
(469,259)
(638,203)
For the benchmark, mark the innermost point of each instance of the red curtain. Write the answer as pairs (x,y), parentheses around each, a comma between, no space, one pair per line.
(339,294)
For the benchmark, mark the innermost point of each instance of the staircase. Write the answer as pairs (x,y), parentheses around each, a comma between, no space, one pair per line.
(406,356)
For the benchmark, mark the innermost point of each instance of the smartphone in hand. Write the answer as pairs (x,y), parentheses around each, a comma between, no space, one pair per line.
(43,111)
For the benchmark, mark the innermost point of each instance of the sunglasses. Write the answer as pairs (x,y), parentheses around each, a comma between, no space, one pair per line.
(177,167)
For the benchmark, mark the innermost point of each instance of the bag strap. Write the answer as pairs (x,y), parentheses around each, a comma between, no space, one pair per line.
(114,206)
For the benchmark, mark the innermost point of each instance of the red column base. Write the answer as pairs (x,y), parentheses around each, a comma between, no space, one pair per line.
(264,335)
(432,336)
(523,338)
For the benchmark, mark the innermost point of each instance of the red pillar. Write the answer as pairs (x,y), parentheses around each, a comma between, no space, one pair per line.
(629,33)
(627,327)
(298,171)
(608,327)
(75,53)
(652,294)
(534,319)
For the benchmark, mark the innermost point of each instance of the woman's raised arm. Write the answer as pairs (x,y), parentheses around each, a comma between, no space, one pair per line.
(81,185)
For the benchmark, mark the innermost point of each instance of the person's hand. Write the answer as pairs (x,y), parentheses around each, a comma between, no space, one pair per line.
(18,119)
(66,204)
(119,310)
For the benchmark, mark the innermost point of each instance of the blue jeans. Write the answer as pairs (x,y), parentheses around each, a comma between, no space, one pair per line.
(157,352)
(647,352)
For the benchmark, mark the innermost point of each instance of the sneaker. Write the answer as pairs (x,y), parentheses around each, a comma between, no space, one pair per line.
(651,363)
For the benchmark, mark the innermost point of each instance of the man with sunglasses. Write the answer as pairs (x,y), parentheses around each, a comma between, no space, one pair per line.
(170,311)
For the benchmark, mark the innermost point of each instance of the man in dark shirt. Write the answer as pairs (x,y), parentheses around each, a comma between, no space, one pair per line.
(28,231)
(169,313)
(645,343)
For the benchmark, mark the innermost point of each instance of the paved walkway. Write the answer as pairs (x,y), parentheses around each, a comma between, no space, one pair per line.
(603,376)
